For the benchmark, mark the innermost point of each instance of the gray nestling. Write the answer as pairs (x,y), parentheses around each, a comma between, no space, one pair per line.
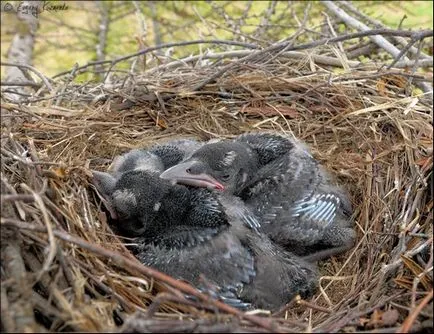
(188,232)
(156,159)
(294,198)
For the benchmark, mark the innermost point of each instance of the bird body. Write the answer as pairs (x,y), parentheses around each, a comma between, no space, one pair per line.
(193,232)
(153,160)
(299,206)
(157,158)
(293,197)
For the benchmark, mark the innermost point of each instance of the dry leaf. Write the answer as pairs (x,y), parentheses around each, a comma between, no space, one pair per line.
(398,81)
(161,123)
(381,87)
(404,282)
(417,270)
(60,172)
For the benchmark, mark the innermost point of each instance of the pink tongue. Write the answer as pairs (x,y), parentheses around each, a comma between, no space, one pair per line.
(219,186)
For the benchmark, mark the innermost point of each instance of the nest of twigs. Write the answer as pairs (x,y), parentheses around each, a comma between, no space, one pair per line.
(63,269)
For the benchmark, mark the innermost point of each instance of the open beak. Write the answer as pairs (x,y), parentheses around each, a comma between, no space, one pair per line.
(180,174)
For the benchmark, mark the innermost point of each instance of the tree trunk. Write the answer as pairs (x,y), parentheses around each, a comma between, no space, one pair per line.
(21,48)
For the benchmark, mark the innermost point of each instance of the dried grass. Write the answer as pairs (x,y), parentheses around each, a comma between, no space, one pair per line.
(63,268)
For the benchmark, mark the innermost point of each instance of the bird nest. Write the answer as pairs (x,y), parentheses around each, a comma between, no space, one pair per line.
(63,269)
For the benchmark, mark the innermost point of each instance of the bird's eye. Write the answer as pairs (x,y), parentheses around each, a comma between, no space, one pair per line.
(225,177)
(188,170)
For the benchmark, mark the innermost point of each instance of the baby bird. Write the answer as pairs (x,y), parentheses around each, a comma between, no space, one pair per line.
(156,159)
(293,197)
(188,232)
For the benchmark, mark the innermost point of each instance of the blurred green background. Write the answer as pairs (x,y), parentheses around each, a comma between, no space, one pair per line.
(69,36)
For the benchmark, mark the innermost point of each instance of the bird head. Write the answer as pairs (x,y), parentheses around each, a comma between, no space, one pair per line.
(225,165)
(138,199)
(168,154)
(156,159)
(268,146)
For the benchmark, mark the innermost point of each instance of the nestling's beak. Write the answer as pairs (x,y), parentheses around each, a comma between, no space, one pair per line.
(104,184)
(182,174)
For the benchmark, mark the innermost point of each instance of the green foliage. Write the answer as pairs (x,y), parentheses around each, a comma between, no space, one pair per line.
(419,14)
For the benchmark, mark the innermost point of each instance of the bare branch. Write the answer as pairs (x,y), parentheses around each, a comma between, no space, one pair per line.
(275,47)
(23,83)
(325,60)
(379,24)
(408,322)
(362,50)
(163,46)
(402,53)
(44,79)
(379,40)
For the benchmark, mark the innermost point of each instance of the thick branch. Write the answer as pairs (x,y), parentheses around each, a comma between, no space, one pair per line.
(34,70)
(379,24)
(276,47)
(21,49)
(21,83)
(379,40)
